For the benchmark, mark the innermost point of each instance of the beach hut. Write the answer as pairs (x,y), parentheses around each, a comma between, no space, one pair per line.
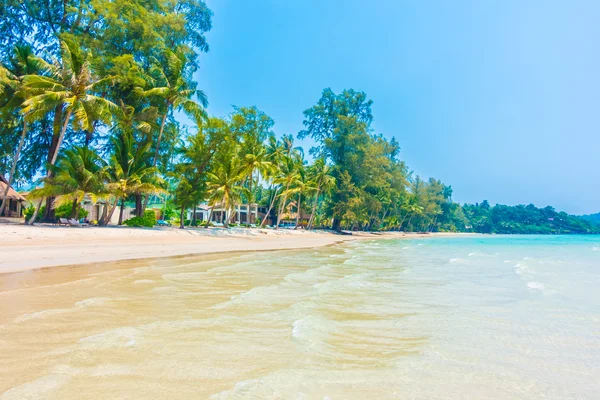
(14,207)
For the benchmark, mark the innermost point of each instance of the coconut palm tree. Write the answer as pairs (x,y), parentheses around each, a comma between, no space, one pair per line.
(129,172)
(275,152)
(255,161)
(176,90)
(288,178)
(13,95)
(224,188)
(322,182)
(80,171)
(68,88)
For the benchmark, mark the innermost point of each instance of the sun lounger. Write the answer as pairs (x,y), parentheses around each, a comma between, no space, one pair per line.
(62,222)
(74,222)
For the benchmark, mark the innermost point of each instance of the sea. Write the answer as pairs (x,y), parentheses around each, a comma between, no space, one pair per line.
(467,317)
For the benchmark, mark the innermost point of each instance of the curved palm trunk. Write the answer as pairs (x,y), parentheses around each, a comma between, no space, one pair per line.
(281,211)
(270,208)
(61,137)
(14,167)
(314,210)
(53,161)
(410,219)
(109,215)
(298,211)
(210,213)
(402,222)
(36,212)
(160,133)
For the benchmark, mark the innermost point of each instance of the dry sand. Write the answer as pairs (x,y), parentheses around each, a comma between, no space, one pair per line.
(26,247)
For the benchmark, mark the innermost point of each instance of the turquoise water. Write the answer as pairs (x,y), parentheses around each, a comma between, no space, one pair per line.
(485,317)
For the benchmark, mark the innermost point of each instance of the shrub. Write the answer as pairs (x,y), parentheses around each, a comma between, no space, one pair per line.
(28,213)
(147,221)
(64,211)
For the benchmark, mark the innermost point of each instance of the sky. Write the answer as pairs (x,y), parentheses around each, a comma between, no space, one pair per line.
(499,99)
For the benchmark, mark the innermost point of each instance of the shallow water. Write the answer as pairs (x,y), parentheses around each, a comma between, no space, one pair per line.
(440,318)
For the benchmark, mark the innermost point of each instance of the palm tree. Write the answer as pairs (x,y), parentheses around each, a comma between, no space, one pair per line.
(322,181)
(176,90)
(68,88)
(11,85)
(224,187)
(129,172)
(254,160)
(275,152)
(289,178)
(80,171)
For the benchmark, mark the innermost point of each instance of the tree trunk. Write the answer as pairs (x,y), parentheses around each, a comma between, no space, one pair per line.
(270,208)
(282,206)
(281,209)
(314,210)
(298,210)
(403,218)
(160,133)
(111,213)
(61,137)
(74,209)
(193,221)
(182,217)
(227,219)
(209,217)
(54,156)
(121,211)
(410,219)
(336,225)
(250,197)
(35,213)
(14,166)
(139,211)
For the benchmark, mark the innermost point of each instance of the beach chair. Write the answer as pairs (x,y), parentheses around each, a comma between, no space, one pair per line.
(74,222)
(62,222)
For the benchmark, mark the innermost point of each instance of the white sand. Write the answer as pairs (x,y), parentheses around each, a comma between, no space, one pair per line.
(26,247)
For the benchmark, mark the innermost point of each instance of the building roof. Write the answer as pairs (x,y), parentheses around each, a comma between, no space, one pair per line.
(12,193)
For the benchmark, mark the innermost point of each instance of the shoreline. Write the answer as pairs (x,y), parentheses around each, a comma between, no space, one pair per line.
(26,248)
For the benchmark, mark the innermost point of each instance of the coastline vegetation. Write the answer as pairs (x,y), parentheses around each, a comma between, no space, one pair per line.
(91,97)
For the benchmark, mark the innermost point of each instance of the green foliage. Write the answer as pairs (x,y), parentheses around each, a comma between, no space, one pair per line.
(147,221)
(593,219)
(64,211)
(524,220)
(28,213)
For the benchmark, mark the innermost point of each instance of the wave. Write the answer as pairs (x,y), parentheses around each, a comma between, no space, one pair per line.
(37,389)
(312,329)
(94,301)
(118,337)
(536,285)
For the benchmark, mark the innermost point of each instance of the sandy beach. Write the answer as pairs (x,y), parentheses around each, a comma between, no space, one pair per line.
(26,247)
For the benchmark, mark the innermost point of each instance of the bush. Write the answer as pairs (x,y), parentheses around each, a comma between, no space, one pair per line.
(64,211)
(28,213)
(147,221)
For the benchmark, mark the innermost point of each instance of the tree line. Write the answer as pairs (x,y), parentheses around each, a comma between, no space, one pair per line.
(90,92)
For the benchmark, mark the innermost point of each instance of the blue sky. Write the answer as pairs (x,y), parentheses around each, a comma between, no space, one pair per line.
(500,99)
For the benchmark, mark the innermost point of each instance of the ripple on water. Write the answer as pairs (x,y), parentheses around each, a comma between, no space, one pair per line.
(535,285)
(37,389)
(118,337)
